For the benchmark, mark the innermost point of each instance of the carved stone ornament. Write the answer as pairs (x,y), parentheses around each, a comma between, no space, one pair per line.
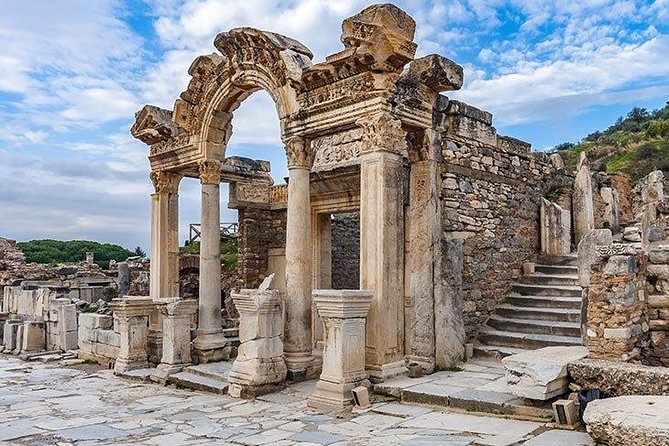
(165,182)
(381,132)
(210,171)
(615,250)
(299,153)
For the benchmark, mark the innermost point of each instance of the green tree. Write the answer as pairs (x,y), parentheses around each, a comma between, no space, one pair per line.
(57,251)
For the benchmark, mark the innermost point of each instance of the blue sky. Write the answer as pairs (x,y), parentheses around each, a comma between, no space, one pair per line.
(73,72)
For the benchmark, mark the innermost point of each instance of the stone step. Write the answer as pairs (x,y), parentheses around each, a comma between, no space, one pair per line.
(550,279)
(565,260)
(216,371)
(546,290)
(497,352)
(556,269)
(528,341)
(573,303)
(544,314)
(197,382)
(535,326)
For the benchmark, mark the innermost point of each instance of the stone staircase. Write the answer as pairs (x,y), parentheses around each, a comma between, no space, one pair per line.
(541,310)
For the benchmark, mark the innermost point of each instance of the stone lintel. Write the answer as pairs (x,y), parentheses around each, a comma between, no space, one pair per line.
(129,306)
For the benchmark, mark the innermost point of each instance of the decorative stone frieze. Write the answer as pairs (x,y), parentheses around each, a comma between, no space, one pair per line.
(343,313)
(259,367)
(382,132)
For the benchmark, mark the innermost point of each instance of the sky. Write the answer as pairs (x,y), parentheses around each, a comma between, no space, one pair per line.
(73,72)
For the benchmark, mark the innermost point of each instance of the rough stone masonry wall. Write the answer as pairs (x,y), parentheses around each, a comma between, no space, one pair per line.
(491,193)
(346,251)
(657,289)
(259,231)
(617,321)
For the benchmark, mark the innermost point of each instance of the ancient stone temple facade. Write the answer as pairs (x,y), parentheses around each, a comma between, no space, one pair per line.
(368,130)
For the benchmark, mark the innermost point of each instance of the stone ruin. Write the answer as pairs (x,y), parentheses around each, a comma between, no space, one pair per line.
(469,242)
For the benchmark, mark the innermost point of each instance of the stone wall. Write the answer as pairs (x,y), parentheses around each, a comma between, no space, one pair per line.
(491,194)
(657,349)
(259,231)
(346,251)
(617,313)
(99,338)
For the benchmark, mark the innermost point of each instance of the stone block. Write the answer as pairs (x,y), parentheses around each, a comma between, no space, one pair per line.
(259,326)
(10,334)
(541,374)
(70,340)
(658,301)
(109,337)
(361,397)
(659,255)
(34,336)
(620,266)
(587,255)
(93,321)
(67,318)
(261,348)
(622,333)
(565,413)
(629,420)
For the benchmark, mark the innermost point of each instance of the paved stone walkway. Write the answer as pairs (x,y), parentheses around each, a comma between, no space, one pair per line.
(47,405)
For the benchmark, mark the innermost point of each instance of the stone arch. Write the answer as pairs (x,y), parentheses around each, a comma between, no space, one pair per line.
(250,60)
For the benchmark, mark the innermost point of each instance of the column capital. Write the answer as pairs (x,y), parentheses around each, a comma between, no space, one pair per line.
(298,151)
(382,132)
(165,182)
(210,171)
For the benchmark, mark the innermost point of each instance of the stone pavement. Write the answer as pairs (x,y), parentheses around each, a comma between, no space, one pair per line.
(42,404)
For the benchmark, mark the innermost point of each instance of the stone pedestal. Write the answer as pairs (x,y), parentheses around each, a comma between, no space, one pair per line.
(210,342)
(259,367)
(133,324)
(11,334)
(177,316)
(343,313)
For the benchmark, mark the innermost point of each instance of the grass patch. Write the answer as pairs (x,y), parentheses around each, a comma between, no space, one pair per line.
(90,362)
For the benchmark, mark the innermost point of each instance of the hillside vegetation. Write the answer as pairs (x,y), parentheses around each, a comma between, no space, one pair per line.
(56,251)
(636,144)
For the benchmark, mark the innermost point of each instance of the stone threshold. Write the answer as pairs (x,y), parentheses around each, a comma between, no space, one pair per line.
(480,386)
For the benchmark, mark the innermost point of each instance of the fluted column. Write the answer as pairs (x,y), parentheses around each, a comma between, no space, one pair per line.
(210,342)
(164,274)
(297,342)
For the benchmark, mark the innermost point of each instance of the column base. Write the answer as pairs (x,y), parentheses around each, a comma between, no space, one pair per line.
(123,365)
(332,396)
(211,347)
(380,373)
(302,370)
(426,362)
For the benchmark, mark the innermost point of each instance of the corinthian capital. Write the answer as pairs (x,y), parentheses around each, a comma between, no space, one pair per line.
(299,153)
(382,132)
(210,171)
(167,182)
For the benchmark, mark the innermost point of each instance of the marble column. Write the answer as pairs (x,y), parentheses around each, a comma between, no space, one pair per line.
(343,313)
(177,316)
(133,321)
(210,342)
(582,205)
(164,274)
(297,341)
(382,184)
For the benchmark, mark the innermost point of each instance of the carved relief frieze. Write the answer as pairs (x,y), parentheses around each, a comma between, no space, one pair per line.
(337,149)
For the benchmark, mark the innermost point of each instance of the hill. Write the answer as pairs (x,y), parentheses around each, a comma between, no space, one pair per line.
(636,144)
(56,251)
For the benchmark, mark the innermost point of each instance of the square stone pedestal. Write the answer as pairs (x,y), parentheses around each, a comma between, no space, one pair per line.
(260,367)
(343,313)
(133,323)
(177,316)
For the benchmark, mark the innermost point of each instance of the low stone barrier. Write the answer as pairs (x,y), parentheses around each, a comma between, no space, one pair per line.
(620,378)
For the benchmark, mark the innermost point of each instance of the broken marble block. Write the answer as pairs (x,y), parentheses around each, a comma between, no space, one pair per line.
(260,367)
(541,374)
(629,420)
